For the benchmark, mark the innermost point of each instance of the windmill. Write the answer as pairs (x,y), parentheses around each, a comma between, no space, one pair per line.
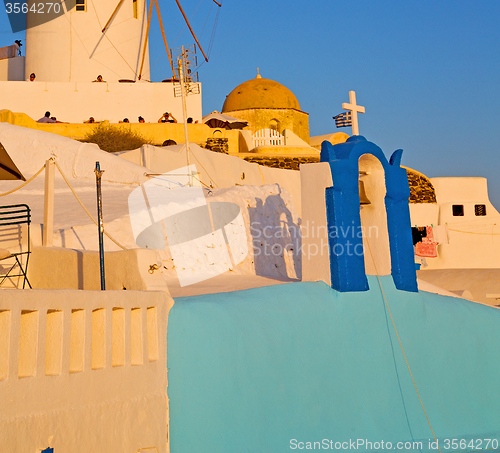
(101,37)
(149,16)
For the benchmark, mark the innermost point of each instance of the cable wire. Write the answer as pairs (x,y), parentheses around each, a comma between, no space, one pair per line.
(24,183)
(85,209)
(399,340)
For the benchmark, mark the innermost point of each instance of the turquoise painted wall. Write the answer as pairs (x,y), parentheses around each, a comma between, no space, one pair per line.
(251,370)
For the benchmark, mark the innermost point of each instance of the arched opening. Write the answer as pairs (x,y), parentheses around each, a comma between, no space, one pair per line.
(274,124)
(374,216)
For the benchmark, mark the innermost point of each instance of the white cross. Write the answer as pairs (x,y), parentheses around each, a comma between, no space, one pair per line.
(354,111)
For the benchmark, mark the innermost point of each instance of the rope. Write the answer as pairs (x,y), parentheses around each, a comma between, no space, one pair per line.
(201,182)
(85,209)
(24,183)
(107,37)
(83,45)
(465,223)
(211,179)
(206,20)
(212,37)
(180,174)
(183,28)
(474,232)
(399,340)
(74,193)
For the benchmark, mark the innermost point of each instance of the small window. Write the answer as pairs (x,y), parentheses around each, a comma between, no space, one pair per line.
(480,209)
(458,209)
(274,124)
(136,13)
(81,5)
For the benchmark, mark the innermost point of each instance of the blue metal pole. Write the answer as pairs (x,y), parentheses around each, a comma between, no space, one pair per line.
(98,174)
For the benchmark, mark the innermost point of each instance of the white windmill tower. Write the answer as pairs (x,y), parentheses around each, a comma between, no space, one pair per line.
(82,39)
(91,38)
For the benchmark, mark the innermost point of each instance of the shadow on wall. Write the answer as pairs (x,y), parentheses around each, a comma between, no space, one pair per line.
(276,239)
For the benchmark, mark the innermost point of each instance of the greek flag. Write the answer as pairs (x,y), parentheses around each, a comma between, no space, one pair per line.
(343,120)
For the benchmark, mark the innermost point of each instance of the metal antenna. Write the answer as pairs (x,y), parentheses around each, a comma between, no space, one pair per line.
(187,85)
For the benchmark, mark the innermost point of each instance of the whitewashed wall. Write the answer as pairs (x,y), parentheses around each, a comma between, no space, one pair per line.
(474,241)
(75,102)
(83,370)
(72,47)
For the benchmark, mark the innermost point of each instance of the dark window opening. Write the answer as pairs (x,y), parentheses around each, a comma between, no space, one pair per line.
(418,233)
(458,209)
(480,209)
(136,11)
(81,5)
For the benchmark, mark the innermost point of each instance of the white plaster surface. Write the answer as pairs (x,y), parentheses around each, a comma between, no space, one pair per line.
(65,402)
(76,102)
(424,285)
(474,241)
(215,169)
(292,139)
(480,285)
(374,217)
(315,178)
(334,138)
(273,254)
(423,214)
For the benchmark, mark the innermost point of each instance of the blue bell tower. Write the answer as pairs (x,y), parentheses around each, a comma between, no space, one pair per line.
(343,212)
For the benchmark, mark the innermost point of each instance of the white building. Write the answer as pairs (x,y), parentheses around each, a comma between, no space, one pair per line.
(69,52)
(467,224)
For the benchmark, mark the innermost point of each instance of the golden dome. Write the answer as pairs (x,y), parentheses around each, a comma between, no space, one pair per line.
(260,93)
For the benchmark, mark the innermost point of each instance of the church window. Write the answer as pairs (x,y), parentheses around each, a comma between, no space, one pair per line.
(274,124)
(136,9)
(81,5)
(457,209)
(480,209)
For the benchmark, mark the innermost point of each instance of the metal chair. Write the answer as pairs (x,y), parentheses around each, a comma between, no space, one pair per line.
(12,221)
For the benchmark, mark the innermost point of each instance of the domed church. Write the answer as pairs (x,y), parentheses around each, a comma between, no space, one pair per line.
(277,134)
(267,104)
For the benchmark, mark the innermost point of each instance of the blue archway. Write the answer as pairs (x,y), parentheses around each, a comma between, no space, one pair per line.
(342,209)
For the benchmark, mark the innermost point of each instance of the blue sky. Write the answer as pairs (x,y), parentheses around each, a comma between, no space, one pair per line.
(426,71)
